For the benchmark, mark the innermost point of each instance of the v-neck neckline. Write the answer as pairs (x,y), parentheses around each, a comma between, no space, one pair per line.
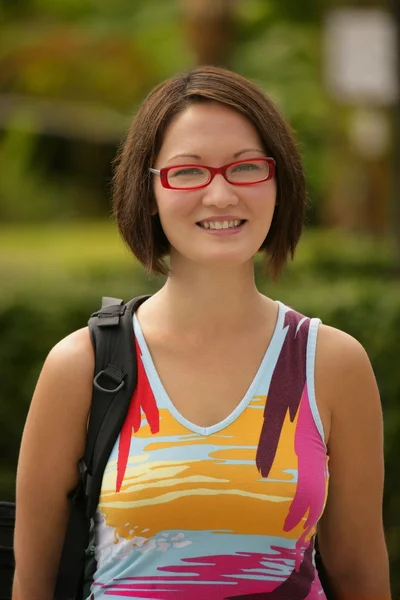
(162,398)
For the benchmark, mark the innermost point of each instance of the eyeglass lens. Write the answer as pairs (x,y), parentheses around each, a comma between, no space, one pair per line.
(246,172)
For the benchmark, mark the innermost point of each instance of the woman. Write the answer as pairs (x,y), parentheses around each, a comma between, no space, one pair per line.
(218,489)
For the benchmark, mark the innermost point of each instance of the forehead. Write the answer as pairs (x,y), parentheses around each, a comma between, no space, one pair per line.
(208,127)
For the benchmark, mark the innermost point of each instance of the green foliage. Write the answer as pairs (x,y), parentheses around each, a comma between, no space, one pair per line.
(54,278)
(283,57)
(107,54)
(26,194)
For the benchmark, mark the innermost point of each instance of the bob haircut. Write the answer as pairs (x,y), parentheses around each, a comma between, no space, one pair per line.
(134,204)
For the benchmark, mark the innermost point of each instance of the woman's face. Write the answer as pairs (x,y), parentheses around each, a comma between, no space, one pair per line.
(212,134)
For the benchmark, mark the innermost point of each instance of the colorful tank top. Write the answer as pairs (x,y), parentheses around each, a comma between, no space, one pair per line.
(221,512)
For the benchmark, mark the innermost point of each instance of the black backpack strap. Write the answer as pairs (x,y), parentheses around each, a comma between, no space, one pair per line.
(115,374)
(115,379)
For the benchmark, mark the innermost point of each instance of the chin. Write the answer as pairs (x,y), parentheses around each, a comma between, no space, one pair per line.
(213,257)
(226,260)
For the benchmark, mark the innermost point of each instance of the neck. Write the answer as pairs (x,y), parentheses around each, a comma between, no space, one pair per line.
(213,300)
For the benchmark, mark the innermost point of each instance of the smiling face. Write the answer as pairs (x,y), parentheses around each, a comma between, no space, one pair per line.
(222,223)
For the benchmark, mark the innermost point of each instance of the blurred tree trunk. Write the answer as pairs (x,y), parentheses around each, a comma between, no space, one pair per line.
(210,29)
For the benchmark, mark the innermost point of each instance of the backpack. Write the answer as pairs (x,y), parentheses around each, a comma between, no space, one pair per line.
(7,518)
(115,376)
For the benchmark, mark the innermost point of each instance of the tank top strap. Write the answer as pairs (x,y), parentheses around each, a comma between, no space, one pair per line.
(294,367)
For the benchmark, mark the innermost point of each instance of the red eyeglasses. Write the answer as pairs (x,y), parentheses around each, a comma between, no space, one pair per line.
(194,177)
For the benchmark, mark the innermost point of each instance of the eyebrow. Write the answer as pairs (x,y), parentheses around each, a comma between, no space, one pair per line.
(184,156)
(235,155)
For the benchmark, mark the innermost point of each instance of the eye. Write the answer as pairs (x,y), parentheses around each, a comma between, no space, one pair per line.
(186,171)
(248,166)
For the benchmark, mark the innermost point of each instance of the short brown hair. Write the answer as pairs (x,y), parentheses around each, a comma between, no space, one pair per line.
(133,199)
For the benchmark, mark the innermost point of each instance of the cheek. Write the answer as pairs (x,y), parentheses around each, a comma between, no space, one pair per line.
(271,190)
(174,205)
(274,190)
(264,199)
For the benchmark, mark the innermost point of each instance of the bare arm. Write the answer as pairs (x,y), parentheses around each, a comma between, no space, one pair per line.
(351,532)
(52,443)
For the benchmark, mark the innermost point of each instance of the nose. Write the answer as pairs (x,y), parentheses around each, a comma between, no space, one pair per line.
(220,193)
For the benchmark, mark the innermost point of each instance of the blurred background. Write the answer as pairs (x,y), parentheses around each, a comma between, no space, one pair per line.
(72,74)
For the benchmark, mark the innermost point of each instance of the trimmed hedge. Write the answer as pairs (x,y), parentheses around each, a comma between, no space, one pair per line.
(350,285)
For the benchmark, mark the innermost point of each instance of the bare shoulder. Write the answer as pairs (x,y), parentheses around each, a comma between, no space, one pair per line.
(59,409)
(69,368)
(344,379)
(76,348)
(338,346)
(340,354)
(67,375)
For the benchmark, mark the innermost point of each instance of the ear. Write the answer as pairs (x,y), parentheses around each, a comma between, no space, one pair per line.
(153,208)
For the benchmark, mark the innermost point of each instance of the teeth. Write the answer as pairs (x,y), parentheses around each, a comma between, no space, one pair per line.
(220,224)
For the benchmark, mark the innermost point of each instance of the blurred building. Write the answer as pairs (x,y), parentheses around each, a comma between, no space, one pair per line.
(361,77)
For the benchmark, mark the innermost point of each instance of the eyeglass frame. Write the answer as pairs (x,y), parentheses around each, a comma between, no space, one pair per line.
(163,173)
